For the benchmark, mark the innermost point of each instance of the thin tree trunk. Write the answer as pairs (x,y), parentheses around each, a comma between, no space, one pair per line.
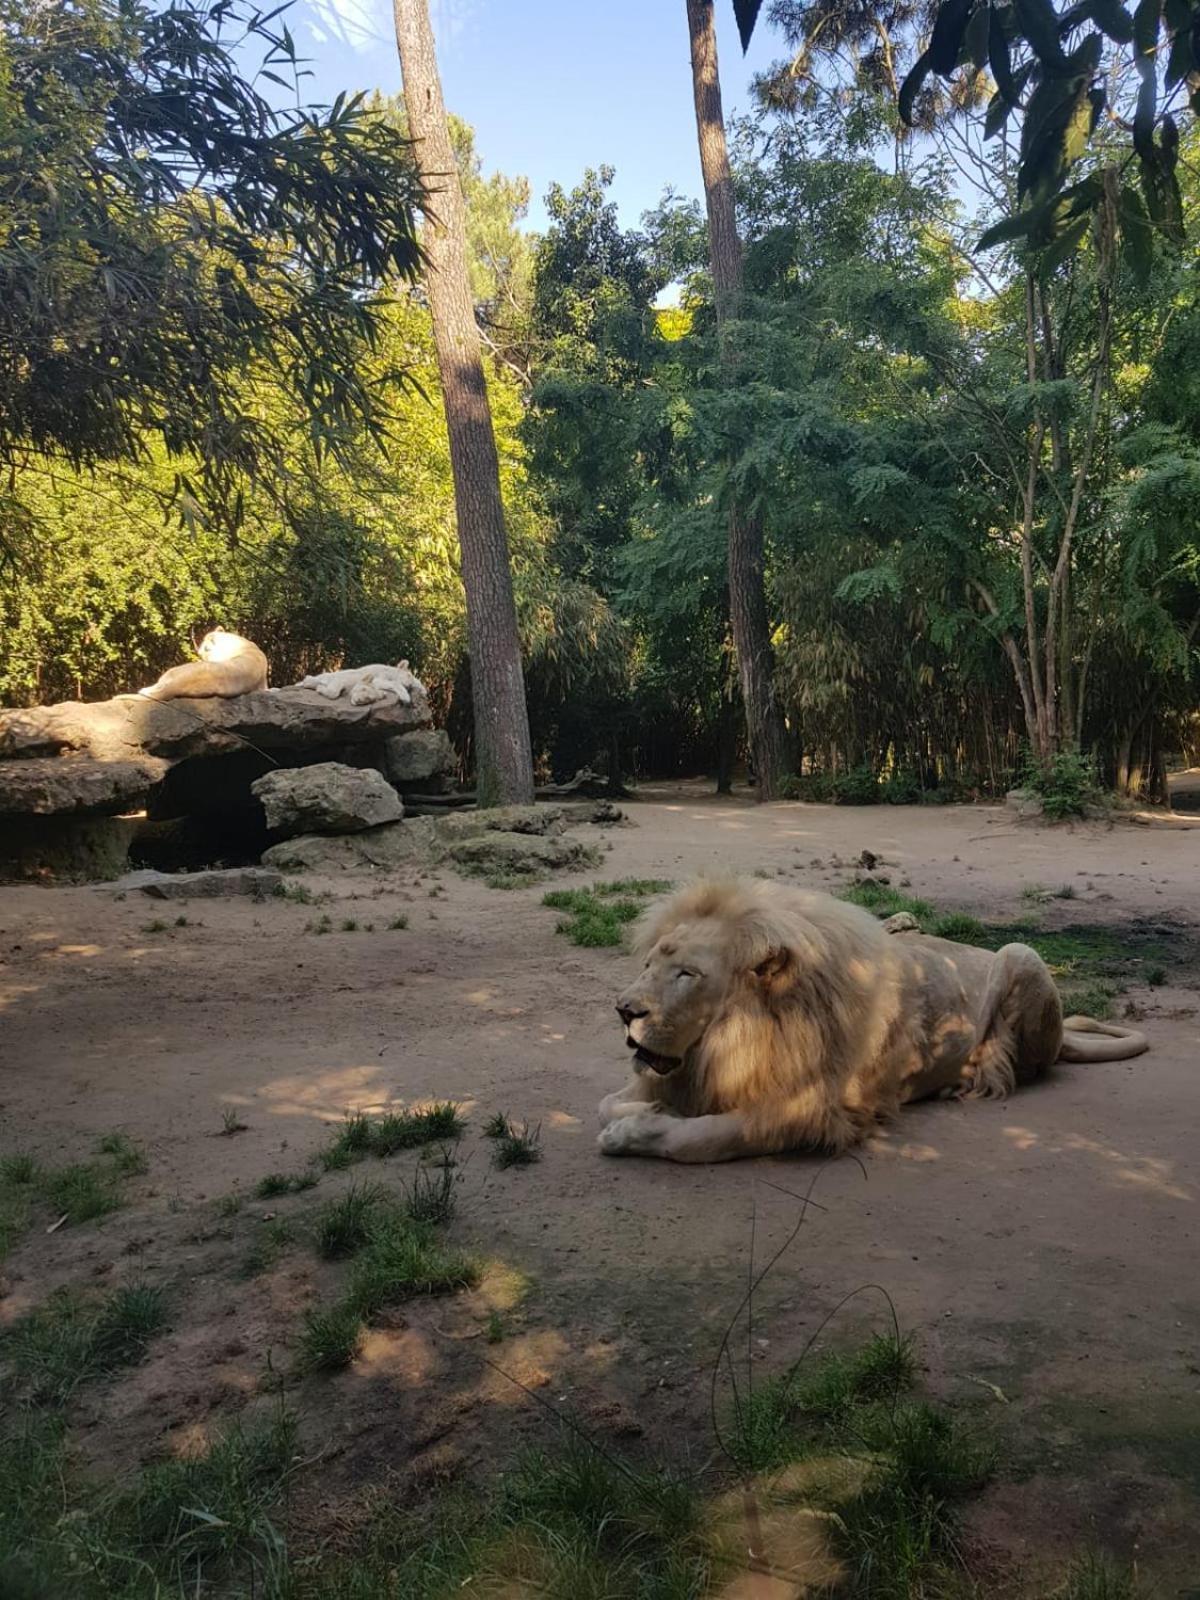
(747,592)
(503,754)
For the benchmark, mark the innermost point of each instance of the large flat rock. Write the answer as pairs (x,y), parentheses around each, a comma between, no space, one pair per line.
(76,785)
(76,759)
(132,726)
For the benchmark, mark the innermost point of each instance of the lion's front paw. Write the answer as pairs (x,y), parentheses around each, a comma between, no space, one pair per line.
(616,1106)
(641,1135)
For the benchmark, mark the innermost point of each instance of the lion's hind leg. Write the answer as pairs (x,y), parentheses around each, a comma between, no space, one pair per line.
(1020,1026)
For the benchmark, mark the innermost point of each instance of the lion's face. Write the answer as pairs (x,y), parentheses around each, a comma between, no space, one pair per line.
(670,1006)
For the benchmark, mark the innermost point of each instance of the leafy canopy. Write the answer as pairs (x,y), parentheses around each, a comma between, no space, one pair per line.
(163,228)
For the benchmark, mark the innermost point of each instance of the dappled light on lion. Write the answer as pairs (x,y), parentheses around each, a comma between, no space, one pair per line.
(769,1018)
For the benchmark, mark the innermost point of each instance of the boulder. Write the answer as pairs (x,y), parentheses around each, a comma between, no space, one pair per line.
(902,922)
(132,727)
(397,844)
(76,786)
(547,820)
(519,854)
(424,757)
(326,798)
(219,883)
(1025,803)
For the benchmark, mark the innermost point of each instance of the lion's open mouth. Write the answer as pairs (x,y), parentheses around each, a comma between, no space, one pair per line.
(651,1058)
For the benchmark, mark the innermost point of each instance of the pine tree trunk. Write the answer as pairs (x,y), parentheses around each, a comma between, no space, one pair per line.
(747,593)
(503,756)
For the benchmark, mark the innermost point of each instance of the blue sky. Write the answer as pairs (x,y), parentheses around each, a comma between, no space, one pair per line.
(550,86)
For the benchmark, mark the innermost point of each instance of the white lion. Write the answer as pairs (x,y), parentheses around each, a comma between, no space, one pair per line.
(366,686)
(768,1018)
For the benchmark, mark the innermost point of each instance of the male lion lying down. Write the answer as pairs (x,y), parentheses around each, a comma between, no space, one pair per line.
(767,1018)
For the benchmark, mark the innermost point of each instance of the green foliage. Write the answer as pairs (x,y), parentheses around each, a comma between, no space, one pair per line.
(344,1225)
(514,1144)
(1095,1577)
(402,1259)
(122,108)
(885,901)
(598,916)
(1067,785)
(330,1339)
(69,1341)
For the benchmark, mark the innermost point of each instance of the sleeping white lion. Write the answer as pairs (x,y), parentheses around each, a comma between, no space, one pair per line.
(366,686)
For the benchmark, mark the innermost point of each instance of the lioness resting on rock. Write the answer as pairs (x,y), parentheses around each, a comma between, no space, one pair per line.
(229,665)
(768,1018)
(366,686)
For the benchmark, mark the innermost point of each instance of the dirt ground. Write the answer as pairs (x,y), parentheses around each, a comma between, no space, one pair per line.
(1044,1252)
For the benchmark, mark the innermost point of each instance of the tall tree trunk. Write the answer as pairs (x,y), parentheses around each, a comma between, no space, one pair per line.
(747,593)
(503,755)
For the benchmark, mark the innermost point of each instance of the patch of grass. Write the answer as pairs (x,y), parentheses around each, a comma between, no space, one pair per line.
(349,925)
(1094,999)
(231,1123)
(407,1130)
(323,924)
(299,893)
(18,1169)
(516,1144)
(597,916)
(81,1192)
(70,1340)
(885,901)
(787,1417)
(157,926)
(1034,893)
(395,924)
(229,1205)
(432,1196)
(361,1136)
(127,1158)
(496,1126)
(344,1225)
(330,1339)
(493,1330)
(512,880)
(1155,976)
(267,1248)
(959,926)
(1094,1577)
(208,1516)
(1067,785)
(642,888)
(274,1184)
(403,1259)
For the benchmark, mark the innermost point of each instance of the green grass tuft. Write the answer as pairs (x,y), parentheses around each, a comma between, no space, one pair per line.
(206,1516)
(267,1248)
(432,1196)
(344,1225)
(520,1146)
(275,1184)
(18,1169)
(885,901)
(1094,1577)
(70,1340)
(128,1160)
(403,1259)
(598,915)
(81,1192)
(330,1339)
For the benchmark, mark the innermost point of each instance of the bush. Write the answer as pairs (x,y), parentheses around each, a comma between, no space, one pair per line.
(1067,784)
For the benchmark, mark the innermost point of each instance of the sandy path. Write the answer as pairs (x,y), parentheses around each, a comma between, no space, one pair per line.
(1048,1247)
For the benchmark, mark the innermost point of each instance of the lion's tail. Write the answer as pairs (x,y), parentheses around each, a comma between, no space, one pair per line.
(1116,1044)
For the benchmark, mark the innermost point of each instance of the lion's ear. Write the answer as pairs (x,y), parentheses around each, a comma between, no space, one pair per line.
(773,965)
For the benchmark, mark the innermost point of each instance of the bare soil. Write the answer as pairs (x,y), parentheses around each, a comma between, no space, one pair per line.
(1044,1252)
